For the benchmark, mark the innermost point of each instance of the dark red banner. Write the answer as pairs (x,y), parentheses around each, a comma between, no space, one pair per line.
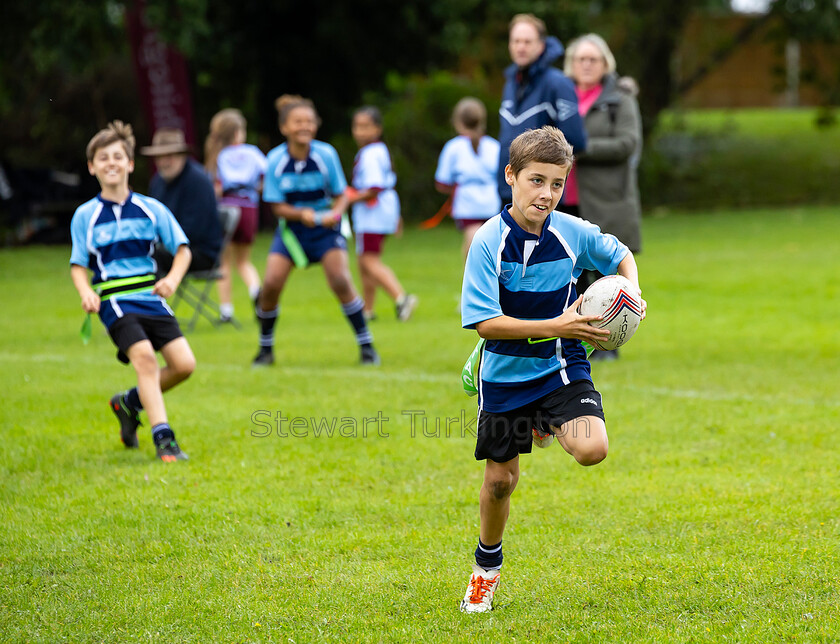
(162,77)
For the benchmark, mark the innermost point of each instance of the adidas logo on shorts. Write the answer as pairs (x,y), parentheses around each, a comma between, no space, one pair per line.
(589,400)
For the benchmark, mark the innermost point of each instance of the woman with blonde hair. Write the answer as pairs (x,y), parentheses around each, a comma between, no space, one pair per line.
(237,169)
(603,185)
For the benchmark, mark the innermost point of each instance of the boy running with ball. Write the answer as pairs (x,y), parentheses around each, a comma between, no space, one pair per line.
(114,235)
(534,380)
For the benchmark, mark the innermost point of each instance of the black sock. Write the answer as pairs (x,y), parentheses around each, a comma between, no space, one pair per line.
(489,557)
(161,433)
(268,320)
(132,399)
(355,315)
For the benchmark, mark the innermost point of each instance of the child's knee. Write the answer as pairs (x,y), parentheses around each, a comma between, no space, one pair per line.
(592,452)
(340,283)
(144,362)
(501,486)
(185,366)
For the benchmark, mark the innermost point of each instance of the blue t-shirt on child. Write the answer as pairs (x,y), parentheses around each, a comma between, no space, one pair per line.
(531,277)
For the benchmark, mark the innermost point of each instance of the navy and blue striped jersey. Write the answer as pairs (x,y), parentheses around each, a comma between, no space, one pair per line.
(310,183)
(518,274)
(116,241)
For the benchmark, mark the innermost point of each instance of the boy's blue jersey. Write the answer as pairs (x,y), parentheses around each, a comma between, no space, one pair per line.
(116,241)
(532,277)
(310,183)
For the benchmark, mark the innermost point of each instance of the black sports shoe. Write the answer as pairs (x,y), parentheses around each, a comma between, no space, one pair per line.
(264,358)
(169,452)
(369,355)
(129,420)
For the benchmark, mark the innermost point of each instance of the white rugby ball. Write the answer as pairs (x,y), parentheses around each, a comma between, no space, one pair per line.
(616,299)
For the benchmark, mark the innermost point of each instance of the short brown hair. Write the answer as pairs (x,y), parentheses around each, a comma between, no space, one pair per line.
(531,19)
(470,114)
(546,145)
(116,131)
(286,103)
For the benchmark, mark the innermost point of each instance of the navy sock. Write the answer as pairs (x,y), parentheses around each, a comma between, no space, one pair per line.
(355,315)
(132,399)
(489,557)
(162,432)
(268,320)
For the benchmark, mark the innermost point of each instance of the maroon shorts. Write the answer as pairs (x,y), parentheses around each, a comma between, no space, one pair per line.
(369,243)
(463,224)
(249,220)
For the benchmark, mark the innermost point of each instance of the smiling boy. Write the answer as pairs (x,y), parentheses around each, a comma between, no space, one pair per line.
(113,237)
(519,294)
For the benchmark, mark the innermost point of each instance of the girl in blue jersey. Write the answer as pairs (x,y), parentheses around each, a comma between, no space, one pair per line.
(305,185)
(237,169)
(113,237)
(467,169)
(534,379)
(376,212)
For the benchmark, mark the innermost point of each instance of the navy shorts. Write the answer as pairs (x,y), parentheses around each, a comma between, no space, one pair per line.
(504,435)
(132,328)
(316,242)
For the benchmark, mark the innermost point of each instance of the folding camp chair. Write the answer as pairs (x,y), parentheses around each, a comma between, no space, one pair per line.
(196,287)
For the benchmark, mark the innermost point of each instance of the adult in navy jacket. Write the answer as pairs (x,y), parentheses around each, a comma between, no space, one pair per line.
(183,186)
(535,93)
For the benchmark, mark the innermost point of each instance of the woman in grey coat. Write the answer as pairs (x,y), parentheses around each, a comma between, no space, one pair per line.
(603,186)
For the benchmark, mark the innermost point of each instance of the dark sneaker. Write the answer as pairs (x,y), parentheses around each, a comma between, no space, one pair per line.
(129,420)
(406,308)
(264,358)
(169,452)
(369,355)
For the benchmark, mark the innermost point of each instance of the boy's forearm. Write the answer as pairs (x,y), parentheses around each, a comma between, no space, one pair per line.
(507,328)
(627,268)
(180,263)
(79,275)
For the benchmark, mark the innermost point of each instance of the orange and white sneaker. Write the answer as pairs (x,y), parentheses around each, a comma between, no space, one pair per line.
(540,439)
(480,591)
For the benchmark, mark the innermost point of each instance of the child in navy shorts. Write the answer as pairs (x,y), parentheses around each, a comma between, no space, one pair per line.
(305,185)
(113,237)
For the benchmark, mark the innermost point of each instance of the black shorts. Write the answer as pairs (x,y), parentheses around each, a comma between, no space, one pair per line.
(132,328)
(504,435)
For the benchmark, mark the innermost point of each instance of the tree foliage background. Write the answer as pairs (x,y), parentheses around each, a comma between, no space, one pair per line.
(66,70)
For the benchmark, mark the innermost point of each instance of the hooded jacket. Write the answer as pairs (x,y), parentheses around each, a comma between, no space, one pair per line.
(608,191)
(537,95)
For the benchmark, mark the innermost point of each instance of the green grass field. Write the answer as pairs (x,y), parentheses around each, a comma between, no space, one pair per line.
(715,516)
(720,159)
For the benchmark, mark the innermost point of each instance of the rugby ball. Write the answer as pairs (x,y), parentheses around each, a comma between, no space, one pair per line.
(615,298)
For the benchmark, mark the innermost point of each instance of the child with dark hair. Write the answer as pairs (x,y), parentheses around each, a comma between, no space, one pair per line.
(305,185)
(376,212)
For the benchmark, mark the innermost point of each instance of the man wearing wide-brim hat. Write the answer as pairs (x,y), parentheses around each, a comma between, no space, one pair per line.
(184,187)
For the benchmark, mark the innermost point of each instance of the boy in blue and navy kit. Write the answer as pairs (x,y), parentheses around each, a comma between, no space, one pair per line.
(113,237)
(534,378)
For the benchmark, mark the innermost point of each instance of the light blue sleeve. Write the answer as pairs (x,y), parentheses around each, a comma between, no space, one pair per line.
(168,229)
(480,292)
(600,251)
(78,235)
(338,183)
(271,183)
